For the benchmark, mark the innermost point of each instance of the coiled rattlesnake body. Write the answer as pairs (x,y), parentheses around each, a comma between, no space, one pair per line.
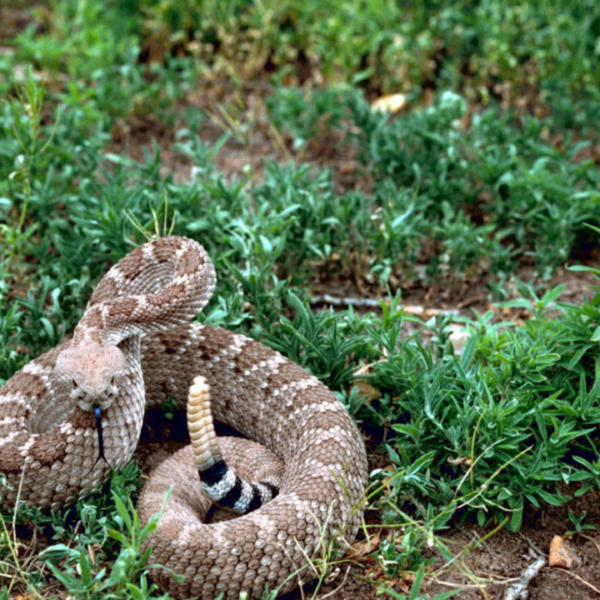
(134,347)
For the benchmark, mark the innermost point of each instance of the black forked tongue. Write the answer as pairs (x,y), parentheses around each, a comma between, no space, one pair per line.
(100,438)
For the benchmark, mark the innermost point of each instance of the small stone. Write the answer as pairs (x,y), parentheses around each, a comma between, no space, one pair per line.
(392,103)
(559,554)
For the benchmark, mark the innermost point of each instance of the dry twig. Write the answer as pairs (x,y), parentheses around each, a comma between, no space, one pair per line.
(580,579)
(518,591)
(591,539)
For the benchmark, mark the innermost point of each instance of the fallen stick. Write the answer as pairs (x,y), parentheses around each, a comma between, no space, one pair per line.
(591,539)
(583,581)
(518,591)
(376,303)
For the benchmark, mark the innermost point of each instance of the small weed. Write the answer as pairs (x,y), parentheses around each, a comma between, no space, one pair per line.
(415,590)
(578,525)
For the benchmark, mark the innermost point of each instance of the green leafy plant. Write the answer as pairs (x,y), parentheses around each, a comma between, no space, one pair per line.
(578,525)
(127,578)
(489,169)
(415,589)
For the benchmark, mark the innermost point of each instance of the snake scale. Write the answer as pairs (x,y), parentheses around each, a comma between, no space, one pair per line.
(135,347)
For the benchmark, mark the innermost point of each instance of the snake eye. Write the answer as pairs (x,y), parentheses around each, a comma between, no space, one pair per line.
(75,384)
(113,381)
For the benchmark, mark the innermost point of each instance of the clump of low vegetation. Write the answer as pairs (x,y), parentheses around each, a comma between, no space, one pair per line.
(487,176)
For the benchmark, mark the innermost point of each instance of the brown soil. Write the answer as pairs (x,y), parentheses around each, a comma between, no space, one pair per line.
(488,569)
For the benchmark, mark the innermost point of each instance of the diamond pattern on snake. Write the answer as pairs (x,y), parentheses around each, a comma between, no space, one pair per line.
(297,481)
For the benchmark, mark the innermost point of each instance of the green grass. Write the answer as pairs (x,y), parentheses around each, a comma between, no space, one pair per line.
(470,183)
(482,48)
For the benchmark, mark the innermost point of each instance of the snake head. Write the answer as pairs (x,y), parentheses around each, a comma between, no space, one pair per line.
(92,373)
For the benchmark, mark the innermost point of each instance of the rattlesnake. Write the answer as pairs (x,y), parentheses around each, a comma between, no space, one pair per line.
(135,347)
